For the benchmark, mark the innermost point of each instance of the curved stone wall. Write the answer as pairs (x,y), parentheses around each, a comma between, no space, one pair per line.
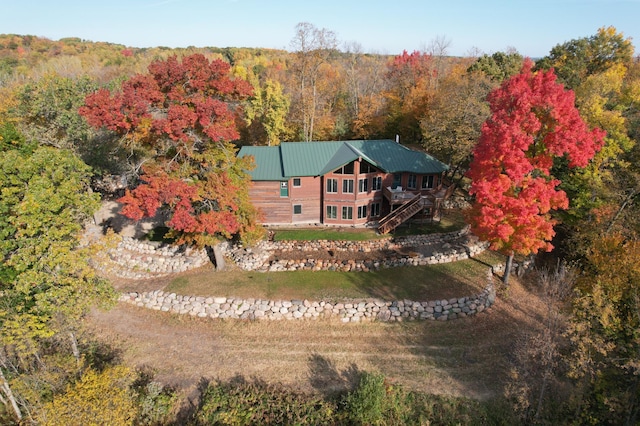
(347,311)
(135,259)
(406,251)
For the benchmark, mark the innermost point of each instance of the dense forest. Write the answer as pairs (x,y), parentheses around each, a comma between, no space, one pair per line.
(81,121)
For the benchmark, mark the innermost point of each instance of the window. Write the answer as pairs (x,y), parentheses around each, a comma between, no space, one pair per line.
(412,182)
(347,186)
(397,180)
(427,182)
(362,212)
(296,182)
(284,189)
(345,170)
(367,168)
(347,213)
(375,209)
(332,212)
(332,186)
(376,183)
(297,209)
(363,185)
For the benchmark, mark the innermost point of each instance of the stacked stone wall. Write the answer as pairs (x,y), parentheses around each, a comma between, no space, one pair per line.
(138,259)
(415,250)
(135,259)
(344,311)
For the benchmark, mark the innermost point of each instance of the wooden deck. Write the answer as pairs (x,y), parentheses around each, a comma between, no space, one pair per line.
(410,203)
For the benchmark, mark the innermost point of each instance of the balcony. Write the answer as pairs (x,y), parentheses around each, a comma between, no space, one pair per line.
(399,195)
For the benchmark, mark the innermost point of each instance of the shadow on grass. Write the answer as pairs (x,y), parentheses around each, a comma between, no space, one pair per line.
(325,378)
(422,283)
(472,356)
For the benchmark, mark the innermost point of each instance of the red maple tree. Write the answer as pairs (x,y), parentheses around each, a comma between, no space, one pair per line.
(533,121)
(185,113)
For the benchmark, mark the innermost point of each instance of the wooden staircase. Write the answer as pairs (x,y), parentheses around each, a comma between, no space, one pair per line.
(400,215)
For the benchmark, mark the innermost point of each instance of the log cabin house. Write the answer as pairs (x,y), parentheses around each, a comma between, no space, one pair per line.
(345,183)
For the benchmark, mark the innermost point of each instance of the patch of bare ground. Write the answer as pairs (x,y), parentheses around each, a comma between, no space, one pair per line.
(465,357)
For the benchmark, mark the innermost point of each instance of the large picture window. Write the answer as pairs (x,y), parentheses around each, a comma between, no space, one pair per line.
(347,186)
(363,185)
(412,182)
(375,210)
(367,168)
(362,212)
(347,213)
(376,183)
(427,182)
(332,186)
(347,169)
(332,212)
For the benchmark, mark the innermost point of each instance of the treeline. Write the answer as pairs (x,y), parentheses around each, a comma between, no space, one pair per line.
(584,367)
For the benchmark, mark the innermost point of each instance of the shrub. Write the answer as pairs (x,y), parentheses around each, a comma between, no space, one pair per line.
(97,398)
(256,403)
(157,404)
(367,404)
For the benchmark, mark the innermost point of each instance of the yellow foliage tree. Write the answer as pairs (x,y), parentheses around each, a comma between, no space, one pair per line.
(98,398)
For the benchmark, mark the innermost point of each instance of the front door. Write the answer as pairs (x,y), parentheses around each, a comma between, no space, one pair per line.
(284,189)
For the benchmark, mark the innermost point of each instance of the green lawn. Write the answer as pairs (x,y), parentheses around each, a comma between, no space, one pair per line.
(452,220)
(448,280)
(325,233)
(462,278)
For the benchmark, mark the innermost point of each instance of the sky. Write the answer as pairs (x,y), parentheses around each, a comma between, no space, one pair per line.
(532,27)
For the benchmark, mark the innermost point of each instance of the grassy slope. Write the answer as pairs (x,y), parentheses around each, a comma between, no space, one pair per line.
(464,278)
(466,357)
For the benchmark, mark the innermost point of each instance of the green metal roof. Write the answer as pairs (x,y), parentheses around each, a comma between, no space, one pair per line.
(307,158)
(268,162)
(294,159)
(395,158)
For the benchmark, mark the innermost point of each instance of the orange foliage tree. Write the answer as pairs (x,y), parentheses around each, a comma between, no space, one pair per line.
(185,112)
(411,82)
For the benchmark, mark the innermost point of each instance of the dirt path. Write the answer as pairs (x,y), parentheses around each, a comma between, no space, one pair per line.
(462,357)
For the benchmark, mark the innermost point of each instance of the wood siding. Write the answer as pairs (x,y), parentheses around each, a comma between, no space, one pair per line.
(265,196)
(307,196)
(313,199)
(278,210)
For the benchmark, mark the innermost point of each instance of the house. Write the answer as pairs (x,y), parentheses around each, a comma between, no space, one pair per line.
(344,183)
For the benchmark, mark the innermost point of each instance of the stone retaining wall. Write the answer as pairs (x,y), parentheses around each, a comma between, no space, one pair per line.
(350,311)
(456,203)
(429,249)
(134,259)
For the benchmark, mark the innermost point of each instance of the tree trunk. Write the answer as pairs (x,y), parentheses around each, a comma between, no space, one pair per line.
(627,200)
(507,269)
(74,347)
(219,258)
(4,388)
(312,119)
